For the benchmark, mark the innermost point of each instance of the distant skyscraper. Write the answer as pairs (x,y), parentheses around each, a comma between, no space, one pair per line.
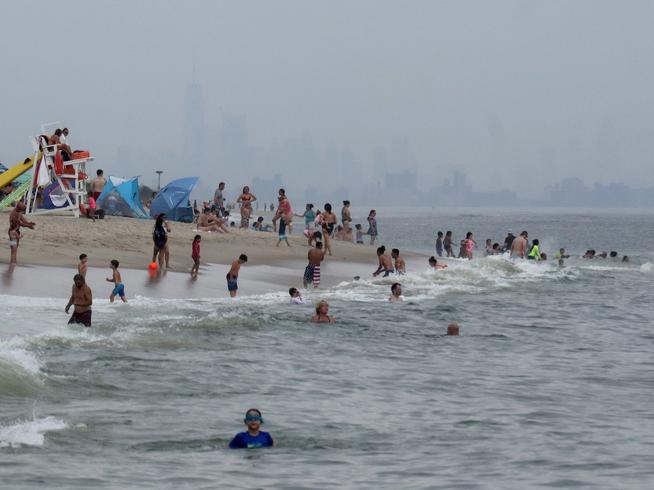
(193,143)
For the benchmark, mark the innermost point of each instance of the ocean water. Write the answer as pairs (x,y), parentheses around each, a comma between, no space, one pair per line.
(550,383)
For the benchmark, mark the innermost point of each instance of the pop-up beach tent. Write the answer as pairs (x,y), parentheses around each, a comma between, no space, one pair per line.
(173,200)
(120,197)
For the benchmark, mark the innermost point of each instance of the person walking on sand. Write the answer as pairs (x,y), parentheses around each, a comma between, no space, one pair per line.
(232,275)
(329,219)
(346,217)
(372,226)
(82,298)
(219,199)
(246,199)
(312,271)
(282,232)
(98,183)
(309,216)
(195,255)
(160,239)
(326,238)
(119,287)
(284,211)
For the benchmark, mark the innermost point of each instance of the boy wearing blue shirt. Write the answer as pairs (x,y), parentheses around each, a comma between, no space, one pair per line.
(253,437)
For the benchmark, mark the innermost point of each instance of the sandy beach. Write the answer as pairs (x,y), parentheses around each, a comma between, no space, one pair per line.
(57,242)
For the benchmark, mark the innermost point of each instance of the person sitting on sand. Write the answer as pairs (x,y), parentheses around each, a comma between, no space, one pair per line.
(396,293)
(385,263)
(372,226)
(400,265)
(209,222)
(433,263)
(82,267)
(253,437)
(312,271)
(322,313)
(232,275)
(296,297)
(82,298)
(119,287)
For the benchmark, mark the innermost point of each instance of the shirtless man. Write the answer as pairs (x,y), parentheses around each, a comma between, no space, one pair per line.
(82,298)
(232,275)
(519,246)
(400,265)
(97,184)
(385,263)
(396,293)
(16,219)
(209,222)
(312,271)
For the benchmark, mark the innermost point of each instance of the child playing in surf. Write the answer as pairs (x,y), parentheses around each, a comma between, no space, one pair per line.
(195,255)
(232,275)
(119,287)
(253,437)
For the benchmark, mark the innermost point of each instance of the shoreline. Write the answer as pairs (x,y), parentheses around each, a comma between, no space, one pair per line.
(54,246)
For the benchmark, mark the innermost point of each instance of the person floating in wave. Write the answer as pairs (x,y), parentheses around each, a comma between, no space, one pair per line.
(385,263)
(433,263)
(396,293)
(82,298)
(232,275)
(322,313)
(119,287)
(400,265)
(561,255)
(534,253)
(296,297)
(253,437)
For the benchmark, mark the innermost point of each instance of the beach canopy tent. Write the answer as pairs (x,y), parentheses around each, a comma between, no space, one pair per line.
(173,200)
(120,197)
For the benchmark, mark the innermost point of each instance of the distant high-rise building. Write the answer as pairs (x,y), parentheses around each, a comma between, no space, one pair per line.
(193,137)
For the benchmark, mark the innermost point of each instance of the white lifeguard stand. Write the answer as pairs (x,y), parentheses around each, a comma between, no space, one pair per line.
(71,176)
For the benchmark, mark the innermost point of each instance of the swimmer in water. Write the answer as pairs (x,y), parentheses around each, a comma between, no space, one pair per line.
(433,263)
(453,329)
(296,297)
(322,313)
(253,437)
(396,293)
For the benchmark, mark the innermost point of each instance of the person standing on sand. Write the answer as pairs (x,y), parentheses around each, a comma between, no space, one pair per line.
(98,183)
(329,219)
(309,216)
(219,199)
(372,226)
(312,271)
(16,220)
(82,298)
(284,211)
(326,237)
(232,275)
(246,199)
(519,246)
(13,244)
(160,239)
(346,217)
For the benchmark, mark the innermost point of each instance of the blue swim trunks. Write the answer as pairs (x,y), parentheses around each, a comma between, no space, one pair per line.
(119,290)
(232,284)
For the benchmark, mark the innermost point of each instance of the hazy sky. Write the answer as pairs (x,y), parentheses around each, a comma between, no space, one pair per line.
(516,93)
